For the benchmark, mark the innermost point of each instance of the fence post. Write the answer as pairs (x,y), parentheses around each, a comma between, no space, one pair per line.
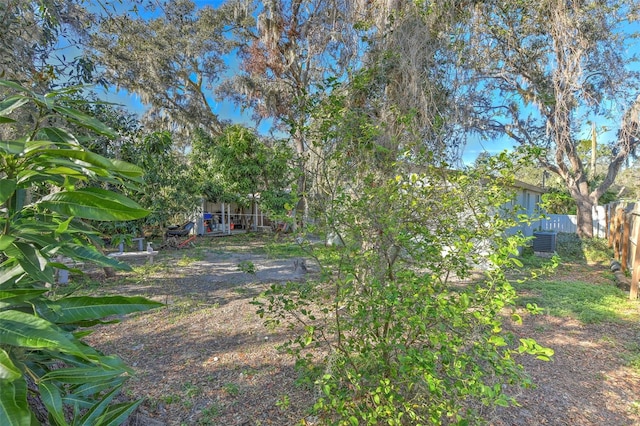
(626,241)
(611,223)
(635,276)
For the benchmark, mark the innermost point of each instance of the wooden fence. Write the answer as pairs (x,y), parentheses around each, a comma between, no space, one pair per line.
(623,234)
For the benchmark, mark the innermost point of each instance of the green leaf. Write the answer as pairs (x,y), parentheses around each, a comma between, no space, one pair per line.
(7,274)
(16,86)
(94,388)
(116,414)
(55,134)
(8,370)
(7,120)
(94,204)
(74,309)
(126,169)
(63,226)
(92,416)
(5,241)
(91,254)
(12,147)
(52,399)
(14,410)
(85,121)
(82,375)
(86,156)
(31,260)
(21,329)
(7,188)
(15,296)
(12,103)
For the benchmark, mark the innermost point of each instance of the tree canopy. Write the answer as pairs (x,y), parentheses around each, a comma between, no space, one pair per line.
(551,67)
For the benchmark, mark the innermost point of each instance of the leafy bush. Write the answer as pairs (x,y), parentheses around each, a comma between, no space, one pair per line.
(572,248)
(50,185)
(409,337)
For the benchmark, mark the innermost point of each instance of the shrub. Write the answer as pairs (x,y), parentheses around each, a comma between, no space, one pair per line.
(50,185)
(409,337)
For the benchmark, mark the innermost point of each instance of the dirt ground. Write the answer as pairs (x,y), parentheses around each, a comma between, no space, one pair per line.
(206,358)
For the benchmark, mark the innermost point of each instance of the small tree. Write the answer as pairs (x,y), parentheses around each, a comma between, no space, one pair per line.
(50,185)
(238,164)
(168,185)
(408,336)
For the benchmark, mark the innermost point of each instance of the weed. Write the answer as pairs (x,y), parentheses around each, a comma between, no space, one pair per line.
(247,267)
(241,290)
(209,414)
(170,399)
(190,390)
(283,402)
(231,389)
(284,249)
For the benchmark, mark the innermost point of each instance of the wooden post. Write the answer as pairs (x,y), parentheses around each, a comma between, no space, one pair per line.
(617,233)
(626,241)
(633,292)
(635,277)
(607,221)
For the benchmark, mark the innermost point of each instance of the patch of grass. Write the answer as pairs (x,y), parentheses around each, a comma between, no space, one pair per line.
(190,390)
(587,302)
(241,290)
(284,249)
(188,260)
(231,389)
(209,414)
(632,357)
(247,267)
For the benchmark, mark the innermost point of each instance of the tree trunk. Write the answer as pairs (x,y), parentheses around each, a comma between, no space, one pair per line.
(585,216)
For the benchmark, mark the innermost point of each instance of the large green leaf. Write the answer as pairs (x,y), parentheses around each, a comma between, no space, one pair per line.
(25,330)
(7,188)
(116,414)
(8,274)
(85,121)
(95,204)
(29,178)
(93,388)
(31,260)
(8,370)
(52,399)
(127,169)
(86,156)
(92,416)
(14,296)
(79,376)
(12,147)
(91,254)
(56,134)
(5,241)
(74,309)
(15,86)
(14,410)
(12,103)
